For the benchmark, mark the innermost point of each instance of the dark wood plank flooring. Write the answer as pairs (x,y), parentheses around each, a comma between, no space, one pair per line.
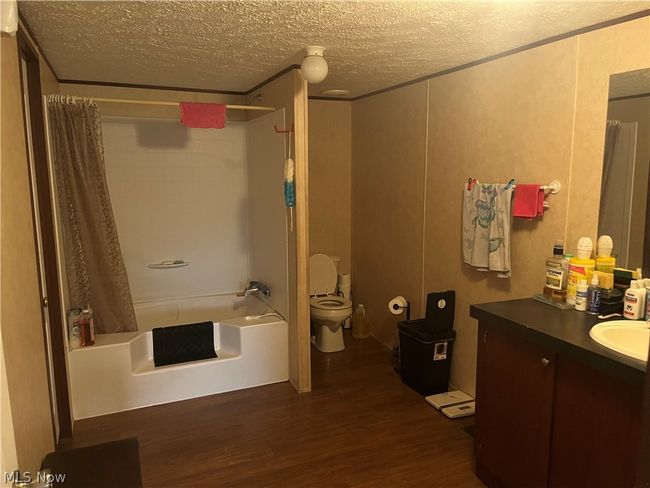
(359,427)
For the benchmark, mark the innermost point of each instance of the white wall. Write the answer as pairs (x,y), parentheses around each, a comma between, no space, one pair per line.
(267,211)
(178,193)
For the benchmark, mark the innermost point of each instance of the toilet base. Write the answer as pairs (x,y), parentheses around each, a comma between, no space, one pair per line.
(328,341)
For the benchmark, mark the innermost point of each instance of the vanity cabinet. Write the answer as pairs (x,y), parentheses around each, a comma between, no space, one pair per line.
(550,414)
(596,428)
(514,405)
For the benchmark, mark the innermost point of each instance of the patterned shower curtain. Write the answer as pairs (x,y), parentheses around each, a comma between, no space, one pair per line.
(95,269)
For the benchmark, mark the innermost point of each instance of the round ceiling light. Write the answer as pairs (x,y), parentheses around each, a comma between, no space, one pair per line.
(335,93)
(314,67)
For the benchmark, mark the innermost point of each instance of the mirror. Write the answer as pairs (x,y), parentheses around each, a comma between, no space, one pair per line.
(625,200)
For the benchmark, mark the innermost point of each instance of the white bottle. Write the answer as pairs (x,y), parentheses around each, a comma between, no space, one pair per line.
(634,305)
(582,290)
(647,298)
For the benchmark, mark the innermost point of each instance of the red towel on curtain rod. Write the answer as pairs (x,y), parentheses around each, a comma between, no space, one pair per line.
(528,201)
(203,115)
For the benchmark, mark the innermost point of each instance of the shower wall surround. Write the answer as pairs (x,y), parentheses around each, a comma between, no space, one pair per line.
(178,193)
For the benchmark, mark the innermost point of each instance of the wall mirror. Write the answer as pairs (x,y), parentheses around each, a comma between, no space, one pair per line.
(625,200)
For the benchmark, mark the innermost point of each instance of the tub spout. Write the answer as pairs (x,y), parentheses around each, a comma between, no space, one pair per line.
(255,287)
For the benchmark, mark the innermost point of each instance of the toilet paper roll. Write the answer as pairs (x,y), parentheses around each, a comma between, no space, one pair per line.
(397,305)
(344,284)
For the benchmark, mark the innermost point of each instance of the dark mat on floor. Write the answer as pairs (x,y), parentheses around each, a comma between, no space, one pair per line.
(183,343)
(109,465)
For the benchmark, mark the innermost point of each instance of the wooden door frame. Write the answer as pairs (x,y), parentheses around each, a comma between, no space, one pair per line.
(46,221)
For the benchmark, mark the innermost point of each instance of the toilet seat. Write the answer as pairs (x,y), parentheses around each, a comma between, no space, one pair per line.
(330,302)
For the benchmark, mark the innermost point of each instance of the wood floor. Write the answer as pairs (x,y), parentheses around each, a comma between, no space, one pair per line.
(359,427)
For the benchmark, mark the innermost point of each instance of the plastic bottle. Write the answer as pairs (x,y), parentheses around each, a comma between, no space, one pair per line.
(634,304)
(87,326)
(556,272)
(605,262)
(360,325)
(74,338)
(593,296)
(580,268)
(647,298)
(582,290)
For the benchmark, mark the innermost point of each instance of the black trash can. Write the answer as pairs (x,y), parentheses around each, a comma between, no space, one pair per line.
(425,356)
(426,346)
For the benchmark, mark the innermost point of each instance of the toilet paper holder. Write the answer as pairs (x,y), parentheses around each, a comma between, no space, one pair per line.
(398,304)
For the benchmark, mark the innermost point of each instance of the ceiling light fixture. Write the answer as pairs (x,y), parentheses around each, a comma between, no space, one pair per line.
(314,66)
(335,93)
(9,17)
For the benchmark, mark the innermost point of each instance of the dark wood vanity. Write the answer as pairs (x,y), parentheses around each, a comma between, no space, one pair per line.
(553,407)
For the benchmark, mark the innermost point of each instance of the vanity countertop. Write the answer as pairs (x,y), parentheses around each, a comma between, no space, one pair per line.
(564,331)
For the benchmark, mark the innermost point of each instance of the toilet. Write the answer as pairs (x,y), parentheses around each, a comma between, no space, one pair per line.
(328,311)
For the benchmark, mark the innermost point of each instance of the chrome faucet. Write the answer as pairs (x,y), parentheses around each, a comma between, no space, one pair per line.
(255,287)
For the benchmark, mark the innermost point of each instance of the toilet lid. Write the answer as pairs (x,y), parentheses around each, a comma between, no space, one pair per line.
(322,275)
(330,303)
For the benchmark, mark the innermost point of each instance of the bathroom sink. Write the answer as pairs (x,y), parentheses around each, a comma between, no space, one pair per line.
(629,337)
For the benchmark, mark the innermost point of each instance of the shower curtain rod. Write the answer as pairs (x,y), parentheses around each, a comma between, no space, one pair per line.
(153,102)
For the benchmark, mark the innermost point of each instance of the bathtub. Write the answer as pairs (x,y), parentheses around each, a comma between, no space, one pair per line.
(118,373)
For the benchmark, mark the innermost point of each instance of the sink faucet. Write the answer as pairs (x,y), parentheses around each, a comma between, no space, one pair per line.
(255,287)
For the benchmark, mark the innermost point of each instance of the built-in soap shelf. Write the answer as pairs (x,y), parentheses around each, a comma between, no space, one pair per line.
(177,263)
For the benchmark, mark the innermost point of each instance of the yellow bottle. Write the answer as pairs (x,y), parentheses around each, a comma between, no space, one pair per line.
(605,262)
(581,267)
(360,324)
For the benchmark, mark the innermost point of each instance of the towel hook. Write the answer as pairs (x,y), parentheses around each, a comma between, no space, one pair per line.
(283,131)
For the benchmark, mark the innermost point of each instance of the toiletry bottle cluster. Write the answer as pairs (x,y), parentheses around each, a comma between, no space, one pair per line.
(82,327)
(596,285)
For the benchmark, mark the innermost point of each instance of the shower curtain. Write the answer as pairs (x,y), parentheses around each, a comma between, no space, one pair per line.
(93,259)
(611,136)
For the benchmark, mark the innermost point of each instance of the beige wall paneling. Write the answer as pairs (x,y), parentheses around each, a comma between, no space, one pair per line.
(601,53)
(535,116)
(8,454)
(20,315)
(510,118)
(388,167)
(330,153)
(636,110)
(289,91)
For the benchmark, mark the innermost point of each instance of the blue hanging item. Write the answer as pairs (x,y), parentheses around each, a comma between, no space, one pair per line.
(289,184)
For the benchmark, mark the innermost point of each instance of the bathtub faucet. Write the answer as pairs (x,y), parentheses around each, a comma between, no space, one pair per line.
(255,287)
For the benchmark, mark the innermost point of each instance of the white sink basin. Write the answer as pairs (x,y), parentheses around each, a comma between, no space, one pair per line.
(629,337)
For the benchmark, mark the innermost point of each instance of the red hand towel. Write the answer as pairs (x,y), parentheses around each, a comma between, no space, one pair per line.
(203,115)
(528,202)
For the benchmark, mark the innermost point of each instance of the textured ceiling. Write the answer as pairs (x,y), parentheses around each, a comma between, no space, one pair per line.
(630,83)
(234,45)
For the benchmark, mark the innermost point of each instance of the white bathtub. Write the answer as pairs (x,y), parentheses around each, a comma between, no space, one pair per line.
(118,373)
